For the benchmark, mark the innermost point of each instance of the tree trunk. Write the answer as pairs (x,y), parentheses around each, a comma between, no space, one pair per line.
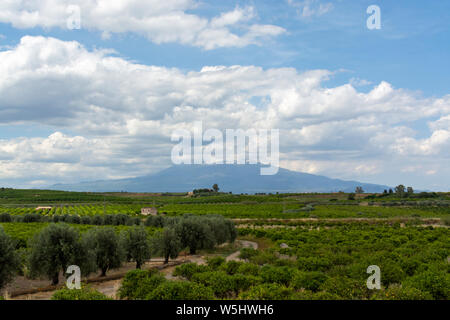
(138,264)
(104,272)
(192,251)
(55,279)
(166,260)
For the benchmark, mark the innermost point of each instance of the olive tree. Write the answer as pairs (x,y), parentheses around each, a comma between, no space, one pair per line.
(194,233)
(9,262)
(136,243)
(167,243)
(222,229)
(104,245)
(54,249)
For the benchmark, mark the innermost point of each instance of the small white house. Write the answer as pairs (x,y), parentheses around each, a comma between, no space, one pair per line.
(149,211)
(44,208)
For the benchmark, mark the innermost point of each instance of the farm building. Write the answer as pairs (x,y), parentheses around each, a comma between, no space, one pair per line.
(43,208)
(149,211)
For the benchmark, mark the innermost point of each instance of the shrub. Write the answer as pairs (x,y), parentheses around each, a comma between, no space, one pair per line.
(231,267)
(248,269)
(154,221)
(313,263)
(181,290)
(280,275)
(97,220)
(86,220)
(215,262)
(31,217)
(5,217)
(221,283)
(81,294)
(311,280)
(346,288)
(244,282)
(397,292)
(138,284)
(323,295)
(268,291)
(437,283)
(187,270)
(263,257)
(247,253)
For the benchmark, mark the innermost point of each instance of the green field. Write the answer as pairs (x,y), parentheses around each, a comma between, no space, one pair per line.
(330,241)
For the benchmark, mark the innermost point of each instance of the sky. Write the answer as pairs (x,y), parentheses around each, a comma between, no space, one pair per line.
(93,90)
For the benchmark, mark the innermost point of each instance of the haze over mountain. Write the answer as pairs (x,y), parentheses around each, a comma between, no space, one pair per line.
(234,178)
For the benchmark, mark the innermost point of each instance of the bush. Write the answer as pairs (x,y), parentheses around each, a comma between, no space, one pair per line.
(187,270)
(215,262)
(437,283)
(247,253)
(311,280)
(248,269)
(5,217)
(154,221)
(280,275)
(221,283)
(313,263)
(31,217)
(268,291)
(86,220)
(97,220)
(181,290)
(397,292)
(231,267)
(81,294)
(346,288)
(138,284)
(244,282)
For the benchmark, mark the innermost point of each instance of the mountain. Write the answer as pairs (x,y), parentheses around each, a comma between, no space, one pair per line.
(234,178)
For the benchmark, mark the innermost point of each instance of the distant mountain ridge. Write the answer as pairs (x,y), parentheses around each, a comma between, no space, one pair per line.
(230,178)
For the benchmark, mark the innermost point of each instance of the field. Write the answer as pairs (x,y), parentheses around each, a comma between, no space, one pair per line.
(308,246)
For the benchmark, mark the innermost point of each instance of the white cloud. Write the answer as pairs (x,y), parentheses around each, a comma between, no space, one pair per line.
(160,21)
(311,8)
(117,116)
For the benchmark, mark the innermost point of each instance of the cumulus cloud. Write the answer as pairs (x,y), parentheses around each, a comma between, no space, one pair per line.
(160,21)
(114,118)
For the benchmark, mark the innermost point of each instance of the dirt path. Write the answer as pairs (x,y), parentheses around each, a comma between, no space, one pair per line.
(245,244)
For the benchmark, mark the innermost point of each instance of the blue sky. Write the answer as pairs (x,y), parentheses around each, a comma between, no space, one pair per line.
(405,65)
